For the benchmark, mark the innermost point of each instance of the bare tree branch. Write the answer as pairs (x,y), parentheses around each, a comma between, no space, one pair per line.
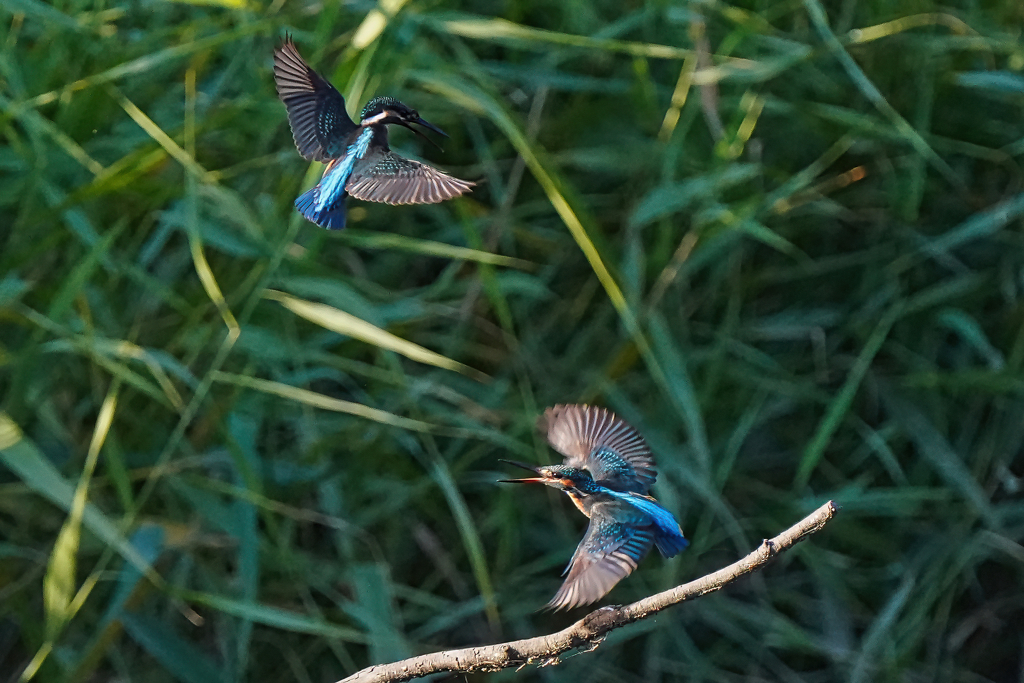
(587,634)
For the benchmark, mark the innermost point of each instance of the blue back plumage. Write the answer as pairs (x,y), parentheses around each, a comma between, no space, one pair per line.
(608,471)
(333,184)
(325,203)
(361,163)
(668,537)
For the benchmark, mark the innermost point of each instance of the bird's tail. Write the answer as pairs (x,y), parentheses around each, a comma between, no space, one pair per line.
(667,534)
(331,216)
(670,541)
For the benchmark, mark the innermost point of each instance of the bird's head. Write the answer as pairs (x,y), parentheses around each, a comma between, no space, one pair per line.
(388,110)
(561,477)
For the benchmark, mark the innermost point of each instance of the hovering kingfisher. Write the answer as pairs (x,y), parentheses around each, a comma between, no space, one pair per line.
(359,160)
(607,472)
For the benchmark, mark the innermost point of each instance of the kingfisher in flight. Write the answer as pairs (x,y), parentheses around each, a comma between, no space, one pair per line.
(359,161)
(607,472)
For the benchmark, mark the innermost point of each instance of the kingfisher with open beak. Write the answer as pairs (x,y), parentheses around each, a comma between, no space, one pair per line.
(607,472)
(359,160)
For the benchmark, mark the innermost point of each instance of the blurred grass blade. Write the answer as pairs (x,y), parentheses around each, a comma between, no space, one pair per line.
(374,607)
(129,590)
(903,24)
(275,617)
(971,331)
(504,31)
(344,323)
(91,347)
(945,291)
(36,123)
(202,265)
(470,538)
(937,452)
(59,582)
(681,391)
(471,97)
(981,224)
(374,23)
(386,240)
(43,11)
(867,665)
(731,146)
(666,200)
(679,95)
(177,656)
(840,404)
(80,275)
(159,136)
(780,200)
(765,235)
(820,22)
(226,4)
(244,428)
(317,400)
(11,289)
(152,360)
(25,460)
(1000,81)
(142,64)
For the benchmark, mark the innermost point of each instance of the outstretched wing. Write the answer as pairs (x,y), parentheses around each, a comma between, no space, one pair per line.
(393,179)
(316,110)
(607,446)
(611,549)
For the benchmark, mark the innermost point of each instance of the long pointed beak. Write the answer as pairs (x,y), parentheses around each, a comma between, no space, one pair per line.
(521,465)
(429,126)
(528,480)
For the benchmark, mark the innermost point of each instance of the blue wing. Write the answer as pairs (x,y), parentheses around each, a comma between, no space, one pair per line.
(619,536)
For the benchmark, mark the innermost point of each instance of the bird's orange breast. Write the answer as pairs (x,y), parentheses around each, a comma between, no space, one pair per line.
(578,501)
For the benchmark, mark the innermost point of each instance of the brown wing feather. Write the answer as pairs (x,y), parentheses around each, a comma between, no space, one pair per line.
(611,449)
(608,553)
(393,179)
(316,110)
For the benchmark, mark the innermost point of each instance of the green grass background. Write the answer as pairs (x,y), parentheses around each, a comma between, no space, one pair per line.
(783,238)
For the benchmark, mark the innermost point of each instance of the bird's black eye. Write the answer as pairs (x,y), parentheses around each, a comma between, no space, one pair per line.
(413,114)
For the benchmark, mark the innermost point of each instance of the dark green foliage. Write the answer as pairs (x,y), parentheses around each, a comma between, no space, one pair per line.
(795,264)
